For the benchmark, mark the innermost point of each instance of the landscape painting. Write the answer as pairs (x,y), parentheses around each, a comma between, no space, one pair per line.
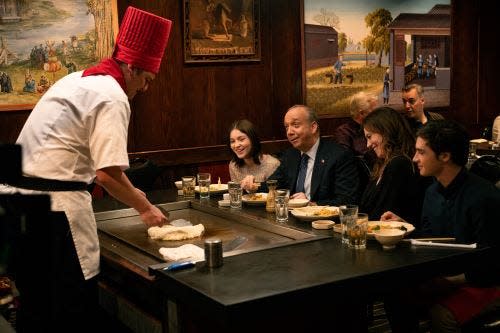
(42,41)
(353,46)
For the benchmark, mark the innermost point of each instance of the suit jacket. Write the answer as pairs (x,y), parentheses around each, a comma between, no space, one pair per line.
(334,180)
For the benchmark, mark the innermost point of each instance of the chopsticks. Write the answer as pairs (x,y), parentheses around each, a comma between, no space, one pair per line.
(437,244)
(436,239)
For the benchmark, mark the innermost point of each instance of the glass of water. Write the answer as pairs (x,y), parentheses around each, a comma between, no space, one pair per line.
(281,205)
(235,192)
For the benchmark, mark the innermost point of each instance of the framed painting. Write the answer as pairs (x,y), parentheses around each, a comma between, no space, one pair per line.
(42,41)
(378,48)
(221,31)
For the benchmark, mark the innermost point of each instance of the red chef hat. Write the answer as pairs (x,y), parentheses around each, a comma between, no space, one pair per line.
(142,39)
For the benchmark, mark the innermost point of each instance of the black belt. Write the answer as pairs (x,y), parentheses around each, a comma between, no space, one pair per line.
(48,185)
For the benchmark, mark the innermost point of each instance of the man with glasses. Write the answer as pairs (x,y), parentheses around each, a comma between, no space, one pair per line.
(413,101)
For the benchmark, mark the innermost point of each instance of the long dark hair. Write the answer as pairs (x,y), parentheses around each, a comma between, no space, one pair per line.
(398,138)
(245,126)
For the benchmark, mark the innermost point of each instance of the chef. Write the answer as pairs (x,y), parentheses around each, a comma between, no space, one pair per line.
(77,133)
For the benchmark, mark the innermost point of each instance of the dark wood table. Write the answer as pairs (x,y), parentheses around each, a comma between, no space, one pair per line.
(310,285)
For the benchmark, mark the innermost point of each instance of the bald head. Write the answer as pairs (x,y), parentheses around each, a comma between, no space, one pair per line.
(302,129)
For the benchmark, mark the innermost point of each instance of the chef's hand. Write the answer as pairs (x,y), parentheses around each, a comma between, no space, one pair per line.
(248,184)
(140,192)
(390,216)
(152,216)
(298,195)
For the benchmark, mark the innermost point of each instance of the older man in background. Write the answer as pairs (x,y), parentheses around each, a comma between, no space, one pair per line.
(350,134)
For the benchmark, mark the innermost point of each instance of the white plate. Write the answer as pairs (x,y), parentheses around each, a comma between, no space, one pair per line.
(478,141)
(295,203)
(254,198)
(311,213)
(214,188)
(389,225)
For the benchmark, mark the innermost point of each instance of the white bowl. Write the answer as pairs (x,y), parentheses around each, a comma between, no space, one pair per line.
(178,184)
(389,237)
(295,203)
(224,203)
(322,224)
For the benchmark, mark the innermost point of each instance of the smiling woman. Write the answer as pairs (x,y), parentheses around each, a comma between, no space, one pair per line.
(393,180)
(249,166)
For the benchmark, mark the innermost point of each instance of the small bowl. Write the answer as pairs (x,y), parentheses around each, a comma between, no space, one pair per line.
(178,184)
(224,203)
(389,237)
(322,224)
(296,203)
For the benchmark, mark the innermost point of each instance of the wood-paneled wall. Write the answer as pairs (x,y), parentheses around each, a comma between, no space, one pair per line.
(475,82)
(184,116)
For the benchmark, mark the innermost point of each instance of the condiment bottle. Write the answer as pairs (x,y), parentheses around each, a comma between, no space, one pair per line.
(271,185)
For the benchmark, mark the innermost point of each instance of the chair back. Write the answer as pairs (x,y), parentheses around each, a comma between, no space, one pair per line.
(363,171)
(143,173)
(487,167)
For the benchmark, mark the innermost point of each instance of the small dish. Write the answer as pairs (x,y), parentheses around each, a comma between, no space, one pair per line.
(322,224)
(178,184)
(376,226)
(389,237)
(224,203)
(296,203)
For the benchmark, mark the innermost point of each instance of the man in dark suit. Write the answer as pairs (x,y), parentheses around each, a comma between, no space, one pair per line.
(317,169)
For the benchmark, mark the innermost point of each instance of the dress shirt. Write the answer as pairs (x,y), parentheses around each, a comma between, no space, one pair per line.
(310,165)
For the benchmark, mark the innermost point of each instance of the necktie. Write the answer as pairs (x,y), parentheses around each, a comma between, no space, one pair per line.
(301,178)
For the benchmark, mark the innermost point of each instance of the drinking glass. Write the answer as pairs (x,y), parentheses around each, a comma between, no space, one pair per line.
(188,184)
(204,185)
(235,192)
(348,213)
(281,205)
(356,231)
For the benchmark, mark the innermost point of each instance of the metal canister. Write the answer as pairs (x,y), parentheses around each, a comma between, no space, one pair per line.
(213,253)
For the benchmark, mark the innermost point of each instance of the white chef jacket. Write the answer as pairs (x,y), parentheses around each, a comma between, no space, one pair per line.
(79,125)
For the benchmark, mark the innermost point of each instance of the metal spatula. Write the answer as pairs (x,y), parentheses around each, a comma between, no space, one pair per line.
(233,244)
(180,223)
(175,223)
